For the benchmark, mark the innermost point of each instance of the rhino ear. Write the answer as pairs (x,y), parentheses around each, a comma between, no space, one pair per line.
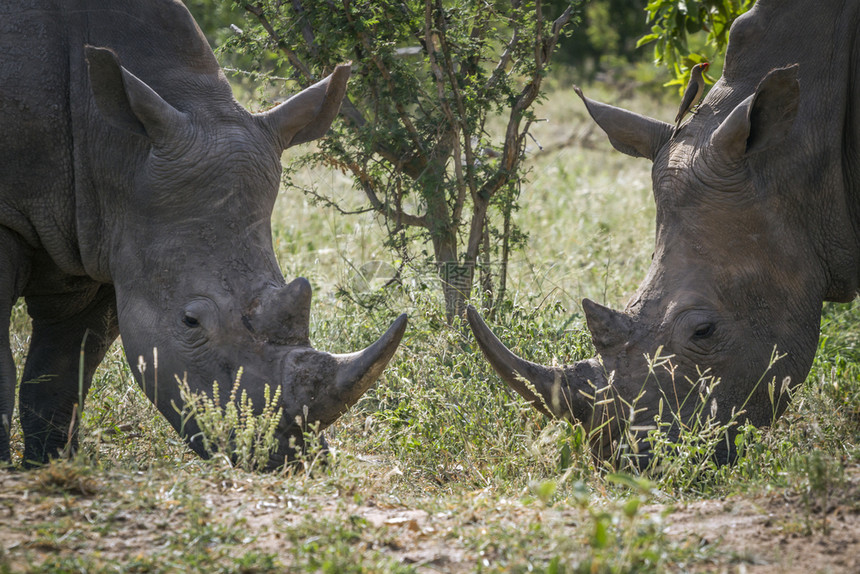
(308,115)
(126,102)
(630,133)
(763,119)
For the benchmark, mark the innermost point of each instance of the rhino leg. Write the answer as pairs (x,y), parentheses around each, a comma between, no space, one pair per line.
(7,382)
(52,390)
(14,269)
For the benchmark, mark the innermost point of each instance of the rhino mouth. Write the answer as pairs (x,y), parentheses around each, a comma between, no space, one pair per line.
(318,387)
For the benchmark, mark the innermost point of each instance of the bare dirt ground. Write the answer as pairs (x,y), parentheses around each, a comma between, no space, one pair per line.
(772,534)
(127,520)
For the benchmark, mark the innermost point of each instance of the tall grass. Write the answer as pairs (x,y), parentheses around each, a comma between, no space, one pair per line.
(439,425)
(234,431)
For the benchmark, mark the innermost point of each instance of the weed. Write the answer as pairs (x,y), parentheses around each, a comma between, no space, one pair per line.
(819,476)
(74,477)
(235,432)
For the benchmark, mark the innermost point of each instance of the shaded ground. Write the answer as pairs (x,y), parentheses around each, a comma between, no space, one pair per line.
(65,518)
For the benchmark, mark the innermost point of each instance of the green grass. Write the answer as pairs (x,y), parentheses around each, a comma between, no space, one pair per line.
(439,457)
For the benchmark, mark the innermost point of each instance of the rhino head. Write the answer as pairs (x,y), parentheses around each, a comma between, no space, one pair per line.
(736,280)
(189,250)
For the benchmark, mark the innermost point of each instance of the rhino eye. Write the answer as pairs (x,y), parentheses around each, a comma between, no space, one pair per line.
(704,331)
(200,313)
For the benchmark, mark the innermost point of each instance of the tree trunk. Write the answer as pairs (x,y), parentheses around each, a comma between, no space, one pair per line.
(486,281)
(456,277)
(456,280)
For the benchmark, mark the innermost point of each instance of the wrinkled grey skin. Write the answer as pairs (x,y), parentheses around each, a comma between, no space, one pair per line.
(757,210)
(135,199)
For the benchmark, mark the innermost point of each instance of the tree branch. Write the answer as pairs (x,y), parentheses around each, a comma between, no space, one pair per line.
(382,207)
(328,202)
(257,11)
(307,32)
(386,75)
(504,60)
(514,147)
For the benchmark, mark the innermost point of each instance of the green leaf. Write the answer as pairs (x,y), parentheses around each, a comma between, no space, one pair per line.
(600,539)
(643,485)
(631,507)
(544,490)
(646,39)
(676,23)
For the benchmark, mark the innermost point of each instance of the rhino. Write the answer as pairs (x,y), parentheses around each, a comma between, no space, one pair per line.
(757,218)
(136,198)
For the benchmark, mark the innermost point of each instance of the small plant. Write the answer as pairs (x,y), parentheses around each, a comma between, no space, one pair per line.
(822,475)
(687,442)
(72,477)
(624,537)
(234,431)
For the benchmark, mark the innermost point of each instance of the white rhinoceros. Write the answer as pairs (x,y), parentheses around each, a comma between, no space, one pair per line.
(135,199)
(758,212)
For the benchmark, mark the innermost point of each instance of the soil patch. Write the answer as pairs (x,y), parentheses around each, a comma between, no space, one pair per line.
(120,520)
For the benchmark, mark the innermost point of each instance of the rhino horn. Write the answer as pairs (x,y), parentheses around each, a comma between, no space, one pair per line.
(609,328)
(324,386)
(565,392)
(282,315)
(356,372)
(295,299)
(629,132)
(308,115)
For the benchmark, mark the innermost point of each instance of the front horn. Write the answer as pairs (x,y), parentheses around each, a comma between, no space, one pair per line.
(565,392)
(319,386)
(357,371)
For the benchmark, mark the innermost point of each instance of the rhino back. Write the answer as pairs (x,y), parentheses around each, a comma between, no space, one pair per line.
(35,147)
(816,169)
(63,168)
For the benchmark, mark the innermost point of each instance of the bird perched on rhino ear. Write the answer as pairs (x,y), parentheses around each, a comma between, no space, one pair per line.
(692,94)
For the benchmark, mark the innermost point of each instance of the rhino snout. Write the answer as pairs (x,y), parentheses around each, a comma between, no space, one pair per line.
(318,387)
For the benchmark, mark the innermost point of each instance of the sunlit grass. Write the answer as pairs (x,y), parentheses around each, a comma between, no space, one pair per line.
(440,433)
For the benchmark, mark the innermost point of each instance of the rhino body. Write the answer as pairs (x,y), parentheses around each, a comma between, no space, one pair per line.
(135,199)
(758,211)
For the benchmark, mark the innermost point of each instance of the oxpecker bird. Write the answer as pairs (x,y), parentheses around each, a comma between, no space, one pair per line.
(692,94)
